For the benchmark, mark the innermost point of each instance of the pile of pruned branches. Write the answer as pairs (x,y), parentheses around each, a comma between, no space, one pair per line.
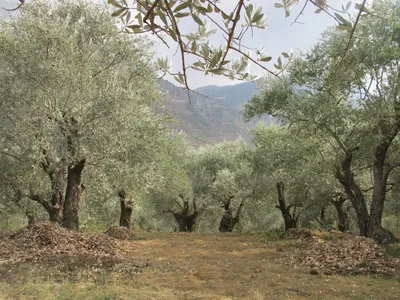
(119,233)
(347,255)
(49,242)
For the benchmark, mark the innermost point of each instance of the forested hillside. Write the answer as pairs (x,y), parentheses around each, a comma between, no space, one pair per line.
(219,117)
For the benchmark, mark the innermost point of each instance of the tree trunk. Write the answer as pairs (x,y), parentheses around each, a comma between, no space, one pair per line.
(343,218)
(354,193)
(228,221)
(73,195)
(370,225)
(381,173)
(126,209)
(291,219)
(186,222)
(191,222)
(57,176)
(58,181)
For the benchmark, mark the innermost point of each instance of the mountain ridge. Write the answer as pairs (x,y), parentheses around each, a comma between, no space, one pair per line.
(212,119)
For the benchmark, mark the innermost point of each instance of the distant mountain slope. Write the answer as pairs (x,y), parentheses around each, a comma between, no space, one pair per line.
(234,95)
(207,120)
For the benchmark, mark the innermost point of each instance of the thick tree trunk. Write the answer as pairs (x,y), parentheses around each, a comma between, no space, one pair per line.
(381,173)
(370,225)
(186,222)
(181,223)
(291,219)
(228,221)
(191,222)
(126,209)
(57,176)
(73,195)
(58,182)
(343,218)
(354,193)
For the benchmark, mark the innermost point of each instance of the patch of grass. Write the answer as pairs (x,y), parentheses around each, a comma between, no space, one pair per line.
(327,236)
(294,244)
(331,235)
(393,250)
(275,235)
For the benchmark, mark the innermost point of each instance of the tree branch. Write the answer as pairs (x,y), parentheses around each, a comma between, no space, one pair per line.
(150,11)
(232,32)
(300,13)
(254,61)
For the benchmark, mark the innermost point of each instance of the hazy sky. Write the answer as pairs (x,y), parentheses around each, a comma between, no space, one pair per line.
(278,37)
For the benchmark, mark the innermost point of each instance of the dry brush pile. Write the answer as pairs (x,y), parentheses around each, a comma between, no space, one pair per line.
(48,242)
(119,233)
(345,255)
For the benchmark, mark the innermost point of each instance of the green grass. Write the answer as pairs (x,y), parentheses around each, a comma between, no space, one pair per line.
(393,250)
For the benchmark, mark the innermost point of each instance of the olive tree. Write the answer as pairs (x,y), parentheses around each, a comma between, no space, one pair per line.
(74,94)
(351,102)
(220,176)
(286,166)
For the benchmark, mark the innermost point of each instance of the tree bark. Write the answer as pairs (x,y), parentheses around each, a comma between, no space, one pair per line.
(228,221)
(381,171)
(58,182)
(291,219)
(57,176)
(370,224)
(186,222)
(343,218)
(73,195)
(354,193)
(126,209)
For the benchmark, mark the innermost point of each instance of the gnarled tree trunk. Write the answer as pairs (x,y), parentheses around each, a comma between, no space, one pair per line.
(381,171)
(291,219)
(73,196)
(58,182)
(354,192)
(343,218)
(57,175)
(126,209)
(228,221)
(370,224)
(186,221)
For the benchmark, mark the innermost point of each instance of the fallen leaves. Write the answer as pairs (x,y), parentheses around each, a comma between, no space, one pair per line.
(49,242)
(304,235)
(349,255)
(119,233)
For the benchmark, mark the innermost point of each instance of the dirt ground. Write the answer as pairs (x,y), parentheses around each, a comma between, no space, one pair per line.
(191,266)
